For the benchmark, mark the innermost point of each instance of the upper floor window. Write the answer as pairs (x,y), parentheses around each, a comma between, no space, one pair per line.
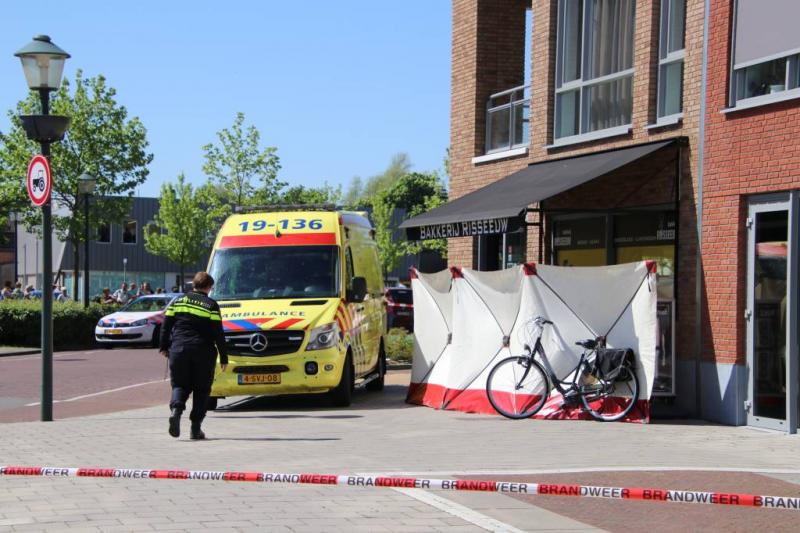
(670,58)
(104,233)
(594,66)
(129,232)
(766,51)
(507,116)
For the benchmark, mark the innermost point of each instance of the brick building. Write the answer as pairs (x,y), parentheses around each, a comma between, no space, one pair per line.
(750,208)
(576,139)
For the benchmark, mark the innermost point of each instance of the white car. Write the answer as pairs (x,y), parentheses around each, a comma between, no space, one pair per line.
(139,321)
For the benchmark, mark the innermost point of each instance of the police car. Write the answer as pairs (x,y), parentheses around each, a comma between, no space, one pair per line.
(139,321)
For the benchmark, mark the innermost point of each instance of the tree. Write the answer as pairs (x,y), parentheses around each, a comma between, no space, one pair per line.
(102,141)
(181,228)
(413,193)
(354,193)
(301,195)
(237,162)
(360,195)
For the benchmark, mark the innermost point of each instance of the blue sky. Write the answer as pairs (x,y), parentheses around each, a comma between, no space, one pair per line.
(338,87)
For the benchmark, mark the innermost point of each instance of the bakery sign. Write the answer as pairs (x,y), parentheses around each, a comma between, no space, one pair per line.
(486,226)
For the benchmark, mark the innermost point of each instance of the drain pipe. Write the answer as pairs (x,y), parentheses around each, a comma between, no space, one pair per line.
(701,135)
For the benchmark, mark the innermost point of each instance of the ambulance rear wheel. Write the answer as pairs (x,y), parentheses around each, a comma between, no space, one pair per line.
(342,395)
(377,383)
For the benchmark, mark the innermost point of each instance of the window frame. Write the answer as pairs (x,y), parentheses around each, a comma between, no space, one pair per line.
(518,97)
(581,84)
(792,57)
(135,232)
(666,59)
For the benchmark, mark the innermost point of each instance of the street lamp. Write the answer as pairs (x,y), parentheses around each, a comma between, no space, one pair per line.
(43,64)
(86,184)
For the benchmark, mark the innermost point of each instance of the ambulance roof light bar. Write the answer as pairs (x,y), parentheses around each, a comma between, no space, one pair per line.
(283,207)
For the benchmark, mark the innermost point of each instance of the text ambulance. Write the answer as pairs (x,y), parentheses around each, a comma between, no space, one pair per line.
(300,294)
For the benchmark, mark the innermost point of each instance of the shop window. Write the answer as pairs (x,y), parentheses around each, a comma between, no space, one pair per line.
(580,241)
(594,66)
(670,58)
(129,232)
(766,52)
(103,233)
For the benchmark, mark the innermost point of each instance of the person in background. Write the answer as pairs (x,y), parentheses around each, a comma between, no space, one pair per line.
(121,295)
(134,292)
(160,290)
(17,292)
(191,337)
(106,298)
(146,288)
(56,293)
(28,293)
(174,288)
(5,294)
(62,295)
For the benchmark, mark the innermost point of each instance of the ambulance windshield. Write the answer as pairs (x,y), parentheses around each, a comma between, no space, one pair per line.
(275,272)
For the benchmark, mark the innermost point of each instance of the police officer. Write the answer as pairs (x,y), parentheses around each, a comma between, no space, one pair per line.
(191,336)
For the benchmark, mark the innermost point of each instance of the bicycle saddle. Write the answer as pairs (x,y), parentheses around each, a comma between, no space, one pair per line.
(589,344)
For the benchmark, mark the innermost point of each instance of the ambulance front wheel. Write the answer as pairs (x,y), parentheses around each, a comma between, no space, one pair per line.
(342,395)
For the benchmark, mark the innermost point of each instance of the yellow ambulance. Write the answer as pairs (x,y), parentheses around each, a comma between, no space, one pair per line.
(300,292)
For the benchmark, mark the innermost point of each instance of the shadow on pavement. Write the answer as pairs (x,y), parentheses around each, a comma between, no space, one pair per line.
(329,417)
(392,397)
(277,439)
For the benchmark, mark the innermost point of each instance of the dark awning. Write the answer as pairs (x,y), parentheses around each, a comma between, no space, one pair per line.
(500,206)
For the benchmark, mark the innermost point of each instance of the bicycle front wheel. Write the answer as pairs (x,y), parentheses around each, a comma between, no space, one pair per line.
(517,387)
(611,401)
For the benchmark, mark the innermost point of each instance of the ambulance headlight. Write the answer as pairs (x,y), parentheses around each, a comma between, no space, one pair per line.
(323,337)
(141,322)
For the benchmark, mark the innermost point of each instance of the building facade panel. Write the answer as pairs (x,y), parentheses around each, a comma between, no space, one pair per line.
(651,182)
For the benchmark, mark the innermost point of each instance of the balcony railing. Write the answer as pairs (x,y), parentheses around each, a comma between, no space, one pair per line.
(507,116)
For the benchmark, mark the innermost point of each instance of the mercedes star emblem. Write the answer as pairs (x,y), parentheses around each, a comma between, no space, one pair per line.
(258,342)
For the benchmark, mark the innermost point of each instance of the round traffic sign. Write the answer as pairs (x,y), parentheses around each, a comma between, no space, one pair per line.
(39,181)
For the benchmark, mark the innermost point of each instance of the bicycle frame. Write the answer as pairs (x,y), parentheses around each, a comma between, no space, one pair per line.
(557,383)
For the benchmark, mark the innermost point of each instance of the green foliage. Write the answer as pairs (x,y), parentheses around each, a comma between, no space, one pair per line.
(300,194)
(73,326)
(399,345)
(361,195)
(102,141)
(237,162)
(415,193)
(182,228)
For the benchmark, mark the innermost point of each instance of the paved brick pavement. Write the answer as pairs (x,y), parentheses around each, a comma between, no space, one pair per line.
(379,433)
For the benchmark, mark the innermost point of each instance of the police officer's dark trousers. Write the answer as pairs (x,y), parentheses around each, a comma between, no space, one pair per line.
(192,372)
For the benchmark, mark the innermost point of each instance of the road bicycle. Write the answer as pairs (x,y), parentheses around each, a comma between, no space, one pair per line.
(519,386)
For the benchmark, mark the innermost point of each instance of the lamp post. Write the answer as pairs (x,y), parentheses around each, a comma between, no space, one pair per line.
(86,184)
(43,64)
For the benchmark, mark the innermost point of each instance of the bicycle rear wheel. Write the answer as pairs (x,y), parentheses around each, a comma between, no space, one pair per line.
(517,387)
(611,401)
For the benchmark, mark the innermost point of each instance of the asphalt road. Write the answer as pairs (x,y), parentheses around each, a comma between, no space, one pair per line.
(84,382)
(103,381)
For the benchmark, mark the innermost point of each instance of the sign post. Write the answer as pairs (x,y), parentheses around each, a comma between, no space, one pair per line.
(39,186)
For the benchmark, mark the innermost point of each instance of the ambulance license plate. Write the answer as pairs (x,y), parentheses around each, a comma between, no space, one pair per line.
(259,379)
(113,332)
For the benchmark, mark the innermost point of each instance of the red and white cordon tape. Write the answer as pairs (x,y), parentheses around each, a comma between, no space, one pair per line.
(543,489)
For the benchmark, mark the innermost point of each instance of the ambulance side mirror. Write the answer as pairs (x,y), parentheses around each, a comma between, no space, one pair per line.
(358,291)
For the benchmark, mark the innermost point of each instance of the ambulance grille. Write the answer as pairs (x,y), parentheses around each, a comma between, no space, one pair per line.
(278,342)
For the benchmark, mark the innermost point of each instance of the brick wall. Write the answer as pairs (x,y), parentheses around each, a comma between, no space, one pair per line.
(476,28)
(747,152)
